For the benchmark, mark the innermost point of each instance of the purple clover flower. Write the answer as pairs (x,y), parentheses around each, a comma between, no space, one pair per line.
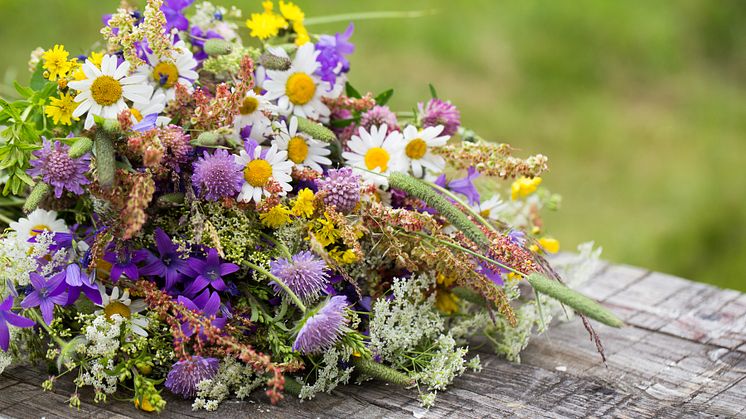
(46,294)
(168,264)
(305,275)
(379,115)
(174,12)
(342,189)
(332,51)
(217,175)
(323,329)
(8,317)
(437,112)
(464,186)
(124,261)
(208,304)
(209,272)
(58,169)
(186,374)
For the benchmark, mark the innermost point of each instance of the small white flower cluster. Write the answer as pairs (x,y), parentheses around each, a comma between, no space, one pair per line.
(232,377)
(103,336)
(98,376)
(208,16)
(447,364)
(330,375)
(16,261)
(400,324)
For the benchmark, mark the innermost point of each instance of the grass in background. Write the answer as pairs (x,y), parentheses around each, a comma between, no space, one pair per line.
(641,106)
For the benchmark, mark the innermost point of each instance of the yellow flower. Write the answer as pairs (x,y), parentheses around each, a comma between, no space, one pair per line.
(55,62)
(524,187)
(304,203)
(549,244)
(301,34)
(266,25)
(276,217)
(61,110)
(345,257)
(291,12)
(96,58)
(445,300)
(325,231)
(146,406)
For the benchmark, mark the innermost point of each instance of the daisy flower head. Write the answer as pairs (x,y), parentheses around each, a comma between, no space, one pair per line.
(113,303)
(102,92)
(418,145)
(252,121)
(298,90)
(56,63)
(164,73)
(37,221)
(377,150)
(61,109)
(260,166)
(302,150)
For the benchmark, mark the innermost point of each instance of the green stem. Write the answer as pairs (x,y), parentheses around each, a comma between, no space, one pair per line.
(5,219)
(284,249)
(477,216)
(345,17)
(279,282)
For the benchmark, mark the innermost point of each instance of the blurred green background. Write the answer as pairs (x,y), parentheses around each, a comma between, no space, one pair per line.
(640,105)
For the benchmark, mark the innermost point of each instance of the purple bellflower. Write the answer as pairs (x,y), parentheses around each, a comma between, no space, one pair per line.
(46,294)
(174,12)
(168,264)
(209,271)
(124,261)
(464,186)
(8,317)
(208,304)
(332,51)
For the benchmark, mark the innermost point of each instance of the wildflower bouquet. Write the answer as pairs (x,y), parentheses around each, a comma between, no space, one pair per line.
(211,208)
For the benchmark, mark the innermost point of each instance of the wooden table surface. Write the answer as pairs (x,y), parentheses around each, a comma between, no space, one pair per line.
(682,354)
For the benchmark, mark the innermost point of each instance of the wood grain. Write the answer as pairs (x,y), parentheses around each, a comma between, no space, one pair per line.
(682,354)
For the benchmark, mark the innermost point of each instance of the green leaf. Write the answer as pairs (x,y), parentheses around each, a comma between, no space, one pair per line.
(384,97)
(433,93)
(341,123)
(37,79)
(23,91)
(351,91)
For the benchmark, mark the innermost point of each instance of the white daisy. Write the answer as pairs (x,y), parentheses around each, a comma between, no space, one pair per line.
(252,112)
(375,151)
(123,305)
(38,220)
(261,166)
(302,150)
(103,91)
(156,105)
(164,72)
(418,146)
(298,90)
(492,208)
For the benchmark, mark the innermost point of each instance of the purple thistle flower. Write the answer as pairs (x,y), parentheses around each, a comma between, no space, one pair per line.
(46,294)
(323,329)
(377,116)
(174,12)
(209,272)
(305,274)
(217,175)
(464,186)
(8,317)
(58,169)
(332,51)
(437,112)
(342,189)
(169,264)
(208,304)
(186,374)
(124,261)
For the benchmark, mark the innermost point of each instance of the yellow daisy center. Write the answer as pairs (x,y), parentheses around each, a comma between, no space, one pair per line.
(35,230)
(257,172)
(300,88)
(249,105)
(297,150)
(137,114)
(416,148)
(166,74)
(377,157)
(106,91)
(117,307)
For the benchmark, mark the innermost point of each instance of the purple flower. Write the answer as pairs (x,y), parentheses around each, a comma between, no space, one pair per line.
(73,281)
(379,115)
(208,305)
(437,112)
(464,186)
(332,51)
(174,12)
(169,263)
(60,170)
(305,274)
(8,317)
(146,123)
(186,374)
(324,328)
(124,261)
(209,272)
(492,272)
(342,189)
(46,294)
(217,175)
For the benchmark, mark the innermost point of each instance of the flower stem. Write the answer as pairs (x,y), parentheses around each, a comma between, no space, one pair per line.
(279,282)
(368,15)
(477,216)
(284,249)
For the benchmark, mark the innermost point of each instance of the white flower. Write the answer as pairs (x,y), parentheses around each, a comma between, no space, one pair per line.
(418,149)
(155,105)
(298,90)
(492,208)
(375,151)
(260,167)
(165,72)
(302,150)
(37,221)
(113,304)
(252,112)
(103,91)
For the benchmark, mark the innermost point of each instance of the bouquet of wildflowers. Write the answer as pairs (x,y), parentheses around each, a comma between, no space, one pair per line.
(206,206)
